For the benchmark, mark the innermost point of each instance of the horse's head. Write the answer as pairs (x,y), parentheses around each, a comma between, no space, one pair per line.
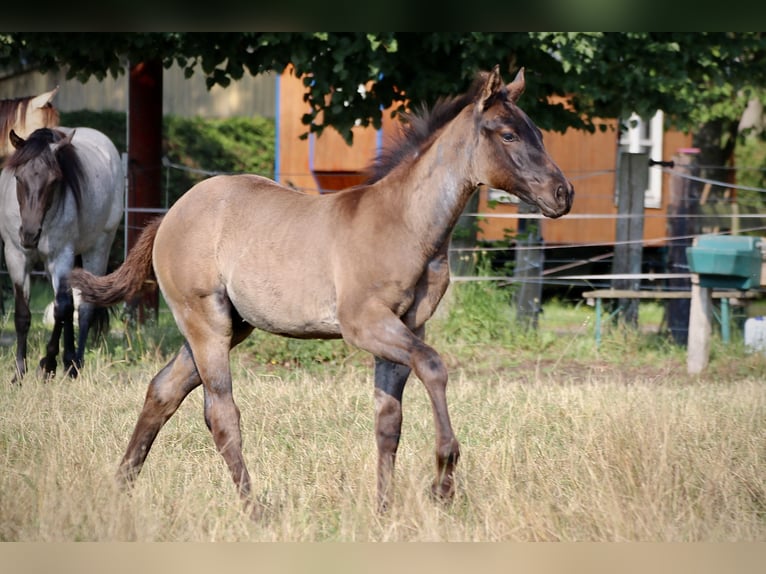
(511,155)
(39,176)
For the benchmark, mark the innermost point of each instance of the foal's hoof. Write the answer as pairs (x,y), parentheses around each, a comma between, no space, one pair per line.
(260,510)
(383,507)
(443,492)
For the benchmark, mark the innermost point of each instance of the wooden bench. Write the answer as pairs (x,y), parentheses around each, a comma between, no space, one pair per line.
(724,296)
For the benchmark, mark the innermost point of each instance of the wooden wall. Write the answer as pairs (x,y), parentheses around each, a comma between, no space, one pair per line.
(185,97)
(321,163)
(589,160)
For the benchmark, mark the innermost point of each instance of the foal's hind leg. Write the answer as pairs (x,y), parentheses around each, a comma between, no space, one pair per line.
(212,329)
(222,415)
(166,392)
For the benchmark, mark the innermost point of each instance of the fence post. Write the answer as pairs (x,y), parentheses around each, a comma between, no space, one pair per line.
(700,328)
(144,158)
(463,262)
(683,202)
(528,269)
(633,180)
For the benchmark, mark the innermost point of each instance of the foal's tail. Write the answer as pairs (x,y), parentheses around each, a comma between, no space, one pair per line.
(128,280)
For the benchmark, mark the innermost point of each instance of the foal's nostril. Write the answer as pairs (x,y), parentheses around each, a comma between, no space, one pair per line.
(565,193)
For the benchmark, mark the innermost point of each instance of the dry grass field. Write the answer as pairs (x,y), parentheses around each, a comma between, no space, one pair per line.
(560,442)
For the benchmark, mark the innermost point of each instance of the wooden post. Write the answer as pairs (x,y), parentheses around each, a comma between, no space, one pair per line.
(683,202)
(529,270)
(144,158)
(463,262)
(632,184)
(700,328)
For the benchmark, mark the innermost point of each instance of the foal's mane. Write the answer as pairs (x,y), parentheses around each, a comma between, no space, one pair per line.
(65,160)
(418,130)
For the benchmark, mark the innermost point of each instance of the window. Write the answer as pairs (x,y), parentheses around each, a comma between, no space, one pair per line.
(645,136)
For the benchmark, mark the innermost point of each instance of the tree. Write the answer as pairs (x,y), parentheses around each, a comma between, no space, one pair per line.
(703,82)
(695,77)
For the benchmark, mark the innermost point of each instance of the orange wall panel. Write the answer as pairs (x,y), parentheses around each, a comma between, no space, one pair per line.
(589,160)
(293,169)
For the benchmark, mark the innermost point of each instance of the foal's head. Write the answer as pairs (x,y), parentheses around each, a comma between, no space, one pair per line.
(43,164)
(510,154)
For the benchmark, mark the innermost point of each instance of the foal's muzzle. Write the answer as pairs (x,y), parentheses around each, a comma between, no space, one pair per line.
(559,202)
(565,196)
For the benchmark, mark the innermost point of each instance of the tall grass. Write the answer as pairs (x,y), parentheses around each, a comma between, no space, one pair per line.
(560,441)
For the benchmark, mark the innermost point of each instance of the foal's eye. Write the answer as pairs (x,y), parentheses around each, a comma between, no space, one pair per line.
(509,137)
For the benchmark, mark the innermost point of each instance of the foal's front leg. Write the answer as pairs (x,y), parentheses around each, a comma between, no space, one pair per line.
(390,379)
(377,330)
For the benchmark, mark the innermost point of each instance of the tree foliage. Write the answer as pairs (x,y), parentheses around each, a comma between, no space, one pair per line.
(695,77)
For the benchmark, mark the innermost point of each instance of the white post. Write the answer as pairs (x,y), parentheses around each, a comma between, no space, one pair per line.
(700,328)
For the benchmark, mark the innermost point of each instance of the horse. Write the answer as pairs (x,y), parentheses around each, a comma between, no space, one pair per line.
(367,264)
(61,196)
(24,115)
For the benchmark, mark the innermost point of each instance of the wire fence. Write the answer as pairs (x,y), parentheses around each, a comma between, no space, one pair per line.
(552,275)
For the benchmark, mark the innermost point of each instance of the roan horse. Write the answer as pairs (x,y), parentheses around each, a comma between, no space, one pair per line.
(24,115)
(61,195)
(368,264)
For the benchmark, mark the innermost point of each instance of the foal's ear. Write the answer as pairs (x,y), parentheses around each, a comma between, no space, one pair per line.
(516,87)
(492,84)
(16,140)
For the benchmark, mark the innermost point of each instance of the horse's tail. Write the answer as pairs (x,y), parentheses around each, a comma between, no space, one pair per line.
(128,280)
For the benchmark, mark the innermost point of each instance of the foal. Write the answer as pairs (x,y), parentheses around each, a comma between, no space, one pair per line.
(368,264)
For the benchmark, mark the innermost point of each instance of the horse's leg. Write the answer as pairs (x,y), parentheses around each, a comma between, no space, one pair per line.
(212,328)
(166,392)
(390,379)
(378,330)
(94,261)
(18,270)
(85,314)
(222,415)
(63,312)
(22,319)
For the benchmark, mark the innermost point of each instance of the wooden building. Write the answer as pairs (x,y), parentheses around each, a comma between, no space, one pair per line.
(326,163)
